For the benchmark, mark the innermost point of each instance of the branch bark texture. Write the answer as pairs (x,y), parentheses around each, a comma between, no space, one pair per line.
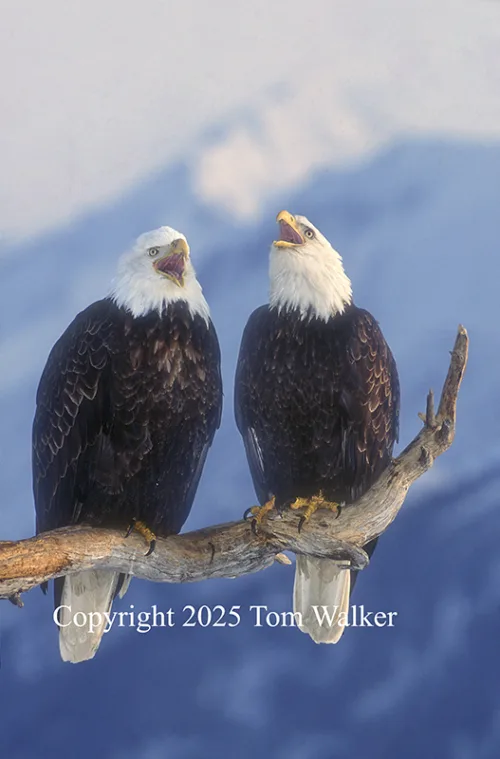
(232,549)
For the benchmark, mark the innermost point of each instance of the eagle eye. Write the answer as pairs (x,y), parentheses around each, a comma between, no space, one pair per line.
(309,233)
(153,252)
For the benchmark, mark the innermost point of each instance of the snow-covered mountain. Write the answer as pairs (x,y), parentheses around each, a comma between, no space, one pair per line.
(417,226)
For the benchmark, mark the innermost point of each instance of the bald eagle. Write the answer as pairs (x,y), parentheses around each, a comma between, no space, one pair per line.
(316,401)
(126,410)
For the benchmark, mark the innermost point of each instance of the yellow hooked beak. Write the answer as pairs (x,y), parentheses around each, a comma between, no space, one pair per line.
(173,264)
(179,247)
(290,234)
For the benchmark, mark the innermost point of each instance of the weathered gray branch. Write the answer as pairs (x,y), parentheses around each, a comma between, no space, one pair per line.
(231,550)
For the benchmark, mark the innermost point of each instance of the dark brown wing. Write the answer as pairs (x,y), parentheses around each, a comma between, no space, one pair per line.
(72,414)
(248,410)
(368,397)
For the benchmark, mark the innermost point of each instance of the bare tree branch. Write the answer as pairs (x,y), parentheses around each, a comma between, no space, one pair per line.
(232,550)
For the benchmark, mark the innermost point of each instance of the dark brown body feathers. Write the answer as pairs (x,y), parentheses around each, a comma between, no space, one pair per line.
(126,411)
(317,403)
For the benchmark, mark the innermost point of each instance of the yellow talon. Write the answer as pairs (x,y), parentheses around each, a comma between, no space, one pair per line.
(259,512)
(146,533)
(310,505)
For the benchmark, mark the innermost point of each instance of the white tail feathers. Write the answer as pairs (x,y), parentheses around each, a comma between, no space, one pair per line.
(321,594)
(124,587)
(86,592)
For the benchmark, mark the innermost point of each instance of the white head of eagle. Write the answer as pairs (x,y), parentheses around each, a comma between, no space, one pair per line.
(306,272)
(158,271)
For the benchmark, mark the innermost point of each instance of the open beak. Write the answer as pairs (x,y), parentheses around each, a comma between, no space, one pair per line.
(173,264)
(290,234)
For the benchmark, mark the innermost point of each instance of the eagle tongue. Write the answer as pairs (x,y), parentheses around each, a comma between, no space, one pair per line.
(289,234)
(172,265)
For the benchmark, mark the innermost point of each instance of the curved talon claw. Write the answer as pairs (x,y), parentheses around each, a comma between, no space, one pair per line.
(146,533)
(310,505)
(152,547)
(249,512)
(258,513)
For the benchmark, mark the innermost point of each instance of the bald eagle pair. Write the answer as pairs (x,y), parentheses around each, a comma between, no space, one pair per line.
(131,396)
